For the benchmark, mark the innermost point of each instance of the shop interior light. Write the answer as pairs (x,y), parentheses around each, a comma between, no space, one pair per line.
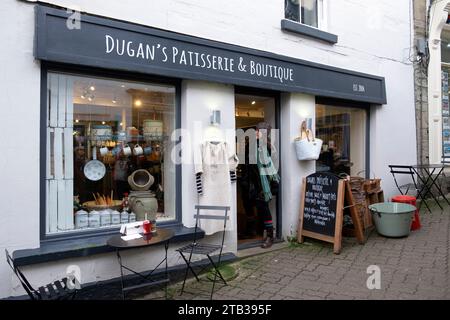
(114,100)
(76,120)
(253,102)
(138,103)
(448,45)
(103,122)
(92,87)
(83,95)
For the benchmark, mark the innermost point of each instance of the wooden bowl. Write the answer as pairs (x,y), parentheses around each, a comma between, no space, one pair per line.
(92,206)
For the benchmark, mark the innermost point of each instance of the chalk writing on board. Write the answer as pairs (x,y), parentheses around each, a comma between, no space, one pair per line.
(320,203)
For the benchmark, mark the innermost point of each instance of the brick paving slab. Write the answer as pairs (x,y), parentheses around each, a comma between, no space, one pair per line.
(415,268)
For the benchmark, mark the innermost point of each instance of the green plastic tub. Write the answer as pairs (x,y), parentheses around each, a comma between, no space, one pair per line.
(392,219)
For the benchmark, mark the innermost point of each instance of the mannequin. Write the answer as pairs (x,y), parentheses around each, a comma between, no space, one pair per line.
(261,181)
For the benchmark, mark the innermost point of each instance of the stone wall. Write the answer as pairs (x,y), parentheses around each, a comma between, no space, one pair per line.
(421,81)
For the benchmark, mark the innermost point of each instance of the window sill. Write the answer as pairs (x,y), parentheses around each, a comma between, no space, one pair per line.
(73,248)
(292,26)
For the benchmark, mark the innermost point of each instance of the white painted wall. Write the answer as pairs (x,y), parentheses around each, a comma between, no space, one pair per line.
(374,37)
(369,31)
(198,99)
(392,129)
(19,163)
(294,109)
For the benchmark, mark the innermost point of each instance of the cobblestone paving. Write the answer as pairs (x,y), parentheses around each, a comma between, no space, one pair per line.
(415,267)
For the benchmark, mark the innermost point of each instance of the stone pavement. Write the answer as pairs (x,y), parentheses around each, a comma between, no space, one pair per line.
(416,267)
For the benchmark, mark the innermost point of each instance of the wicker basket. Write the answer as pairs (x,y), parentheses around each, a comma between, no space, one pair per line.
(372,185)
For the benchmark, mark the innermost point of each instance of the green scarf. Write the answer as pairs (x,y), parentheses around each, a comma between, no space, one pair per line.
(267,171)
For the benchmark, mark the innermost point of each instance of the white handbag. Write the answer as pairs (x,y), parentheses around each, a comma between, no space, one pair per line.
(306,146)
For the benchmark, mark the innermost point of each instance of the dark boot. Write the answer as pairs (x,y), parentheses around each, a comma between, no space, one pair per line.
(269,240)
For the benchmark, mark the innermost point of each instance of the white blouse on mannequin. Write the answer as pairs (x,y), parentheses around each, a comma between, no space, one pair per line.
(215,166)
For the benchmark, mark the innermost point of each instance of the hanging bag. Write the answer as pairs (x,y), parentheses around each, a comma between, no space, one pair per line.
(306,146)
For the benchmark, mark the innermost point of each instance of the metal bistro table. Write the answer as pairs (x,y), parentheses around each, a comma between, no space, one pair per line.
(161,236)
(425,173)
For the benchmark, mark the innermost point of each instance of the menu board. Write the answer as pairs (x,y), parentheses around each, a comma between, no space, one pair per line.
(319,213)
(321,208)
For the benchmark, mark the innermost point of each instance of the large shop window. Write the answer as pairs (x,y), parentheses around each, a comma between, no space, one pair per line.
(108,153)
(308,12)
(343,131)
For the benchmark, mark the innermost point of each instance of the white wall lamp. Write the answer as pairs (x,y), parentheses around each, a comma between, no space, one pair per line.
(215,117)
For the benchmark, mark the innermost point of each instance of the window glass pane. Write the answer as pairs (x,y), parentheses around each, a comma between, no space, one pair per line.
(309,13)
(292,10)
(106,139)
(445,112)
(343,131)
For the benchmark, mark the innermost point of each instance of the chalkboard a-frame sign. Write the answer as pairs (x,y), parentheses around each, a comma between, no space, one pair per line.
(321,209)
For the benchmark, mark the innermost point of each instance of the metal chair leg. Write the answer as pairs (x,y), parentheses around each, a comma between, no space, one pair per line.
(166,274)
(217,272)
(121,273)
(188,267)
(217,269)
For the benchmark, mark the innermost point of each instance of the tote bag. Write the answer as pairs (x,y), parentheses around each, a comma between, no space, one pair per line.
(306,146)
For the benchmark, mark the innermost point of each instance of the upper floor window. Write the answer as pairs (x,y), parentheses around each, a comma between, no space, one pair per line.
(308,12)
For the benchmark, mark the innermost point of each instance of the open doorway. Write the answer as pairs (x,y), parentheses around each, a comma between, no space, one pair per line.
(252,110)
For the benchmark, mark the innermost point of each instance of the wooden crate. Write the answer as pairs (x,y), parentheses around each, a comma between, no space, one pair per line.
(365,193)
(376,196)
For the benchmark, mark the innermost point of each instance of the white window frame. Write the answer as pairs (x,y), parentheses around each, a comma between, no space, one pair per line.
(322,15)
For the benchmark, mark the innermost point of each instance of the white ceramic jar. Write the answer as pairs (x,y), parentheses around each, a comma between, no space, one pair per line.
(94,219)
(124,217)
(132,217)
(115,217)
(105,218)
(81,219)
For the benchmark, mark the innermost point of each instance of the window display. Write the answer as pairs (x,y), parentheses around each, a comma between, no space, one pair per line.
(343,131)
(108,153)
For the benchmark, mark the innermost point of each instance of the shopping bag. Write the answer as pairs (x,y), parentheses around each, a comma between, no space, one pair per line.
(306,146)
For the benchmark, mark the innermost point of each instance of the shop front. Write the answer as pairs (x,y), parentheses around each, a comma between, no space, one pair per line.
(123,110)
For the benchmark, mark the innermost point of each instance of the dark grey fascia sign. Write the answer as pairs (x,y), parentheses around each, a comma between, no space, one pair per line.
(105,43)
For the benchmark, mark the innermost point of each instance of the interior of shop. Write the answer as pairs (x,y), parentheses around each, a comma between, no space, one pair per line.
(343,132)
(249,111)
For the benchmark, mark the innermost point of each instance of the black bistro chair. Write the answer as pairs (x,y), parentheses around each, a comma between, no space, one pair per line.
(58,290)
(413,185)
(205,249)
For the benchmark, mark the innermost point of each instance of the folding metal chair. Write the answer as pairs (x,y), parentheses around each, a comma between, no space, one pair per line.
(205,249)
(58,290)
(409,171)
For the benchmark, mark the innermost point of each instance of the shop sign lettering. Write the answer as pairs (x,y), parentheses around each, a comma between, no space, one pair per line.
(197,59)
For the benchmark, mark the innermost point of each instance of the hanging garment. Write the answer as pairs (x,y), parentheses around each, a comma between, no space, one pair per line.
(267,171)
(215,168)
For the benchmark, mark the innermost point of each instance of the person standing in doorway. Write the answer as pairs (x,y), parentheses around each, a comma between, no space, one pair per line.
(263,180)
